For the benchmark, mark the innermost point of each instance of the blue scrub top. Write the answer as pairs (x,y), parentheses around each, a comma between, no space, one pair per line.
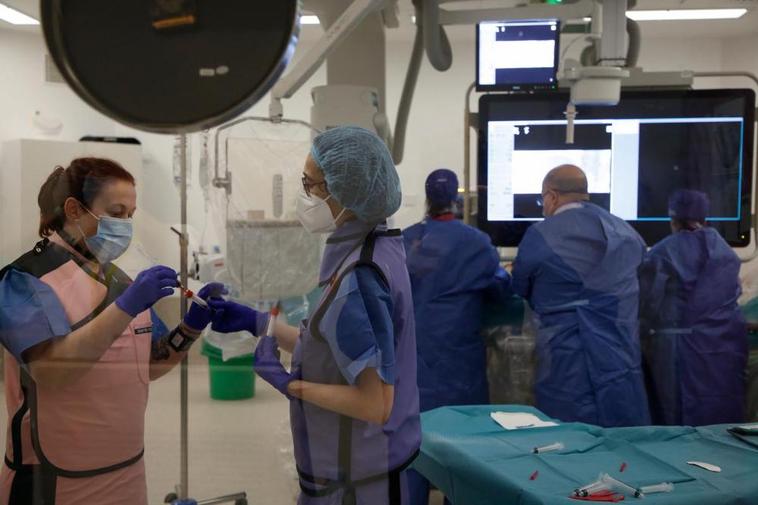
(30,313)
(358,326)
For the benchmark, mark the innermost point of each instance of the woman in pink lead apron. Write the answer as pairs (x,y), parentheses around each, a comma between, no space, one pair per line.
(82,345)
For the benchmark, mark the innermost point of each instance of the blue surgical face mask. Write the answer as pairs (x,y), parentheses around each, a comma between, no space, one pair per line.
(112,238)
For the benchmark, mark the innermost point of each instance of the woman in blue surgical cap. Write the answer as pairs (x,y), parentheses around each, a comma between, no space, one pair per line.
(352,389)
(693,333)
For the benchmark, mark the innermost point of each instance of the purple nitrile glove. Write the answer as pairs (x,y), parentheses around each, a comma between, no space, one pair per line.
(269,368)
(198,316)
(150,286)
(229,317)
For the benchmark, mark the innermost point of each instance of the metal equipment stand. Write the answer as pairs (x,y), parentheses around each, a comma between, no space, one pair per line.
(182,489)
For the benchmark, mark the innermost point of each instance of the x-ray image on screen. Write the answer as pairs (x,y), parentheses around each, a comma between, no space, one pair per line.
(527,152)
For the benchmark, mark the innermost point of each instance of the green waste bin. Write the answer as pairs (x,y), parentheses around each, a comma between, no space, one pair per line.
(233,379)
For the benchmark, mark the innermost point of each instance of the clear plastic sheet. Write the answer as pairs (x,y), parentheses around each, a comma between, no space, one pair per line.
(511,360)
(271,259)
(269,255)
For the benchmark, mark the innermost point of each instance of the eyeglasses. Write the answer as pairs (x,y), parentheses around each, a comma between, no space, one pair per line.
(541,199)
(308,185)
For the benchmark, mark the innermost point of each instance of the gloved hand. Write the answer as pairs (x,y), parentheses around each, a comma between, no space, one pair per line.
(501,273)
(198,316)
(229,317)
(150,286)
(269,368)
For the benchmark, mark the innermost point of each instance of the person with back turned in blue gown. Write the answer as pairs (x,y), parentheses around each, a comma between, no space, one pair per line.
(454,269)
(693,333)
(578,269)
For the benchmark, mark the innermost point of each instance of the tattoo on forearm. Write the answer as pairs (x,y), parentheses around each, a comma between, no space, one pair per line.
(160,350)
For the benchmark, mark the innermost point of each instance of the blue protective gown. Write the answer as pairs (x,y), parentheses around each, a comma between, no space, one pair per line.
(578,270)
(453,269)
(693,332)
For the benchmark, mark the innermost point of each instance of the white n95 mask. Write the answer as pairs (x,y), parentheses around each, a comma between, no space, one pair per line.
(315,215)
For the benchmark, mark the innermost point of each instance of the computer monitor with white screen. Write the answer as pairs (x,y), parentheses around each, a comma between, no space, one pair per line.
(517,54)
(635,155)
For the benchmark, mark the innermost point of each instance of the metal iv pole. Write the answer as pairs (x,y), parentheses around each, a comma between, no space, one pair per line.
(182,489)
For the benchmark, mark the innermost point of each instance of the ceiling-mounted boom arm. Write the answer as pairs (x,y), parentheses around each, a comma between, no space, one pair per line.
(437,44)
(313,59)
(576,9)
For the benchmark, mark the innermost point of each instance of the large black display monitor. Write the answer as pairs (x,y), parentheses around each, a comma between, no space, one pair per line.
(635,155)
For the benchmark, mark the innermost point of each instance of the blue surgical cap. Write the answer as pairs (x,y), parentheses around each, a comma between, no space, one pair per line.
(442,187)
(689,205)
(359,172)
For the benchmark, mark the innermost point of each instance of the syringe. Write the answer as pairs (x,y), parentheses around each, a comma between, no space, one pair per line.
(663,487)
(619,486)
(592,488)
(558,446)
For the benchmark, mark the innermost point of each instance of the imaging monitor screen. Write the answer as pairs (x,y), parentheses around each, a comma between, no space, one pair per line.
(513,55)
(635,156)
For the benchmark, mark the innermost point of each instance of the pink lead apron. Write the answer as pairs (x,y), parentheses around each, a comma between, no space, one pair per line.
(79,443)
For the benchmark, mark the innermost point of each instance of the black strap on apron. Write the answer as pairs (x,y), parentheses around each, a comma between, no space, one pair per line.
(33,485)
(366,260)
(344,450)
(329,486)
(36,484)
(345,460)
(31,389)
(16,423)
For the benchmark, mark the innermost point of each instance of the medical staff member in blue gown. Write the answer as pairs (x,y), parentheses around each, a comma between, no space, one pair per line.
(578,270)
(454,268)
(353,395)
(693,333)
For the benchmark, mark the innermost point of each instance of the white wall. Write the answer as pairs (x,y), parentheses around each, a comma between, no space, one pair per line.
(23,91)
(739,53)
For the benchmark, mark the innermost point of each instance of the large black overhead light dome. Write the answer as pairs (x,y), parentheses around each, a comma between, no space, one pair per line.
(171,66)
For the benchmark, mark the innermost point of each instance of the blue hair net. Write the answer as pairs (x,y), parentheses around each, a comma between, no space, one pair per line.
(689,205)
(442,187)
(359,172)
